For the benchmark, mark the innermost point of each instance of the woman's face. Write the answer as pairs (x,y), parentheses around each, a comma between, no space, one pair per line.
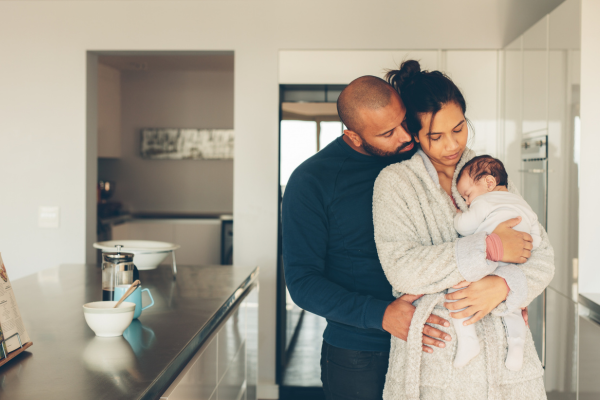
(445,140)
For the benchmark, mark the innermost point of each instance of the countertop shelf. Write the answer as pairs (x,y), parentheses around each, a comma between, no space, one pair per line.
(119,219)
(69,362)
(15,353)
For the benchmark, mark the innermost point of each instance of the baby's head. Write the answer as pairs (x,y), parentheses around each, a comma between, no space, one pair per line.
(482,174)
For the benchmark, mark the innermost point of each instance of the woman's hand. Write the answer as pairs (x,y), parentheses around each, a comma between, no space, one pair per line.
(478,299)
(516,245)
(398,316)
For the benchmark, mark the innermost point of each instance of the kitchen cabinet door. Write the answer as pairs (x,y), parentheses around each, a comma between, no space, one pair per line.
(226,367)
(231,337)
(561,346)
(198,380)
(535,77)
(251,305)
(563,191)
(510,142)
(589,359)
(158,230)
(233,384)
(120,232)
(200,241)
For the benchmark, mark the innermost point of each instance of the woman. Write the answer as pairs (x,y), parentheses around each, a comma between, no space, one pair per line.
(414,203)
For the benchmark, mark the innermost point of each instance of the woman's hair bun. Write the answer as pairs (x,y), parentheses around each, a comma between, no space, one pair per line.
(399,78)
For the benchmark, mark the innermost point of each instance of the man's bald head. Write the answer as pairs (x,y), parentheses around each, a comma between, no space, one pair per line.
(367,92)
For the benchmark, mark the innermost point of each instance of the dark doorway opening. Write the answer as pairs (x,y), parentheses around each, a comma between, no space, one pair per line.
(308,122)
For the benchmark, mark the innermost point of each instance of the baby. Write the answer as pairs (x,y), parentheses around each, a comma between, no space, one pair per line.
(483,182)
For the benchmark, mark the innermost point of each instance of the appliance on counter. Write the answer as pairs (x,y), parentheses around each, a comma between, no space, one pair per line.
(226,240)
(106,207)
(534,174)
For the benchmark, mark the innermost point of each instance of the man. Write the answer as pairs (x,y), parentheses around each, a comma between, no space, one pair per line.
(330,259)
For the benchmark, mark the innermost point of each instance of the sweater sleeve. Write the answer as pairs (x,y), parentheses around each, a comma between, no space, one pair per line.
(411,265)
(305,238)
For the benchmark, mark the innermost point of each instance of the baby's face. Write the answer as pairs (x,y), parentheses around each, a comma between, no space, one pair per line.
(469,189)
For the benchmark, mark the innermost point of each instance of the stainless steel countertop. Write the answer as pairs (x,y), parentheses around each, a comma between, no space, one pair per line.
(592,302)
(67,361)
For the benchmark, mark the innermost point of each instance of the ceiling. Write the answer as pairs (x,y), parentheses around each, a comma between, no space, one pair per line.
(309,111)
(221,61)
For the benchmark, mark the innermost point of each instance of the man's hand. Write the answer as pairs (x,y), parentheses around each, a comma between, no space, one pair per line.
(517,245)
(398,316)
(478,299)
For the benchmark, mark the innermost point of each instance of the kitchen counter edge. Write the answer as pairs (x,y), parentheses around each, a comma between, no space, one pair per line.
(164,380)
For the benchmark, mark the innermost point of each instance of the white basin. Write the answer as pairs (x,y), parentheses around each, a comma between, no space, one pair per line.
(107,321)
(148,254)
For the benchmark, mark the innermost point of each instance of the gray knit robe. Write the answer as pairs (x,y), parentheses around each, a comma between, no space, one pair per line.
(421,253)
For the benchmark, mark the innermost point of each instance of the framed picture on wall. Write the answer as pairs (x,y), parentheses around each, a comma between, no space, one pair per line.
(187,144)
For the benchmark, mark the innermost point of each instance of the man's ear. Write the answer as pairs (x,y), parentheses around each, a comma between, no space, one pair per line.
(490,183)
(354,137)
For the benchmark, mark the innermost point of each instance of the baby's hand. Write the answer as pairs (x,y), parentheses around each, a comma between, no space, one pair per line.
(459,211)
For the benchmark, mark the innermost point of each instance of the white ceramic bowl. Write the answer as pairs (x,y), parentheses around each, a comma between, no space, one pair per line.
(107,321)
(148,254)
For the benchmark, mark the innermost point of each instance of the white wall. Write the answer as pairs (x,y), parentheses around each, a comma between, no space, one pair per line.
(46,158)
(589,217)
(175,99)
(475,72)
(343,66)
(476,75)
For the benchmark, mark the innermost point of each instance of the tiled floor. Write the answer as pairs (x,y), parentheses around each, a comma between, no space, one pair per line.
(302,376)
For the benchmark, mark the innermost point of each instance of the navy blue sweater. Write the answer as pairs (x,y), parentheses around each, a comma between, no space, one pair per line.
(329,255)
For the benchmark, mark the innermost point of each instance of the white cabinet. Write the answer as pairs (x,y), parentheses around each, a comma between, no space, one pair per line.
(109,112)
(589,359)
(541,97)
(200,239)
(560,376)
(535,77)
(513,105)
(563,97)
(225,367)
(541,91)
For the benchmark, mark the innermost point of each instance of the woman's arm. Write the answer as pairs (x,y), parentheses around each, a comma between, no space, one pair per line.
(411,263)
(525,282)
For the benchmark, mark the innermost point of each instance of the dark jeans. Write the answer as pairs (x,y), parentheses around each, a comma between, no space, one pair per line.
(351,374)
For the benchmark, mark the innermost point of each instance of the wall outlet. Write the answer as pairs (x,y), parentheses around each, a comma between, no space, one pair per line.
(49,217)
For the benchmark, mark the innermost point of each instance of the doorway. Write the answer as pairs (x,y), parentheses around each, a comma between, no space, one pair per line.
(160,134)
(308,123)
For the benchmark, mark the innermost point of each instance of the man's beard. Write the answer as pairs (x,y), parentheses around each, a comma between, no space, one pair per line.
(374,151)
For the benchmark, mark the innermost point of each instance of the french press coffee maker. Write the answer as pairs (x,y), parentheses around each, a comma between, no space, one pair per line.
(117,269)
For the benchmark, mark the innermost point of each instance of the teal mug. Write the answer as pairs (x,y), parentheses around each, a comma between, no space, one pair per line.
(135,297)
